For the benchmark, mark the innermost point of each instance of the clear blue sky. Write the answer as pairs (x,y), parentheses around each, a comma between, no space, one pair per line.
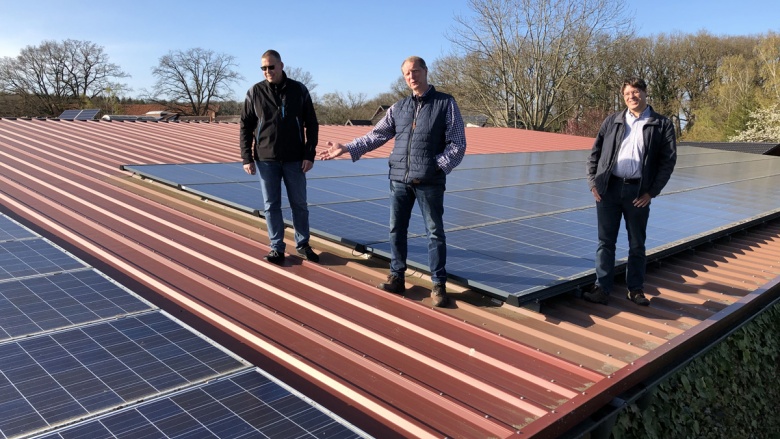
(347,46)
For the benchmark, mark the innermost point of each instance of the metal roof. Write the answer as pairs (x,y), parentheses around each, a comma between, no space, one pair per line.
(391,365)
(753,148)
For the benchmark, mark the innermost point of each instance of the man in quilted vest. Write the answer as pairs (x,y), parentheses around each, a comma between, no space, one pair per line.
(430,141)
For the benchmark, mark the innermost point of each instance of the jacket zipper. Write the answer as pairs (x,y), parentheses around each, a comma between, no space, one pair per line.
(409,143)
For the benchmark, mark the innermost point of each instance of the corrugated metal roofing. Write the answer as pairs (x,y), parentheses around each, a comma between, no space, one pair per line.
(391,365)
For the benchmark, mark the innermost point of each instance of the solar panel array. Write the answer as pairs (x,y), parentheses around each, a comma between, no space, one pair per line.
(80,355)
(520,227)
(79,114)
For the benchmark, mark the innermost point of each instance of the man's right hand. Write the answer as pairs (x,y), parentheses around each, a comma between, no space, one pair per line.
(332,150)
(249,168)
(596,194)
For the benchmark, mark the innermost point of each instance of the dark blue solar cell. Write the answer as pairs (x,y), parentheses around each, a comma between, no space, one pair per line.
(50,373)
(344,223)
(193,173)
(30,257)
(91,430)
(10,230)
(221,408)
(17,416)
(243,196)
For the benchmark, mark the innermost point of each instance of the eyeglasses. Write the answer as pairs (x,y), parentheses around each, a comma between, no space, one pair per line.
(264,68)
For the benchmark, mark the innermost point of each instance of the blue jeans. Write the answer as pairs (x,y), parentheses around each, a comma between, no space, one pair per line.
(272,173)
(431,201)
(617,203)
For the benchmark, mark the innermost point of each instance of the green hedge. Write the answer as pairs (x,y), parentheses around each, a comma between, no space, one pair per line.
(732,391)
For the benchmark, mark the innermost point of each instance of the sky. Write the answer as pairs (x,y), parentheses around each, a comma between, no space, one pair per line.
(347,46)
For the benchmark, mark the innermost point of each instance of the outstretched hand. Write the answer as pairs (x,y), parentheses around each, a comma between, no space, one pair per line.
(332,150)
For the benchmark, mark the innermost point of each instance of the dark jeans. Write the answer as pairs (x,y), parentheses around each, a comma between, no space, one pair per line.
(431,201)
(617,203)
(272,174)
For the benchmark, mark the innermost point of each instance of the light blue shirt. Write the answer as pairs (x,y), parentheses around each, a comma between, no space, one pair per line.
(632,148)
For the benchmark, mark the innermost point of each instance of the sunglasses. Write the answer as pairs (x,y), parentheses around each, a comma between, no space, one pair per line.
(264,68)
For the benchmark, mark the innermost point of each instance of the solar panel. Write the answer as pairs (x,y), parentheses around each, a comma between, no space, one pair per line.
(63,376)
(246,404)
(79,350)
(87,114)
(194,173)
(10,230)
(69,114)
(519,224)
(40,304)
(31,257)
(243,196)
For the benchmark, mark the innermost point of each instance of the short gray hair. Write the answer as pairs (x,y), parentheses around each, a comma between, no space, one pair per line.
(415,59)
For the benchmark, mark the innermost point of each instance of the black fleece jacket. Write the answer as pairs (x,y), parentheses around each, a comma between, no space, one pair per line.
(278,123)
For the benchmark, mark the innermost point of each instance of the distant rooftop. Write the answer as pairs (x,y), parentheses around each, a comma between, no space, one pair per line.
(752,148)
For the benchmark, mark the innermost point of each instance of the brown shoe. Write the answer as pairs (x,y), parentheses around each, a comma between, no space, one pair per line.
(596,295)
(439,295)
(638,297)
(394,284)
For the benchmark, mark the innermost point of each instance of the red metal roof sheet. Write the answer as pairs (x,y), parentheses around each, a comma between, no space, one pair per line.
(391,365)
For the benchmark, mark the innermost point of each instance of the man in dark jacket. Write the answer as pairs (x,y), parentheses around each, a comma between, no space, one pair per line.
(430,141)
(631,161)
(278,140)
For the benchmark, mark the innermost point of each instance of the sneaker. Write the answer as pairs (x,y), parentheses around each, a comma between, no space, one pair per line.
(275,257)
(394,284)
(638,297)
(596,295)
(439,295)
(308,254)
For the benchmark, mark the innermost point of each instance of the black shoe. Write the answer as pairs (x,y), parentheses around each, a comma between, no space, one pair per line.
(308,254)
(275,257)
(638,297)
(394,284)
(439,296)
(596,295)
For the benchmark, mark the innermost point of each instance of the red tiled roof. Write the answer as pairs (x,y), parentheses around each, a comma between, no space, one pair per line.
(391,365)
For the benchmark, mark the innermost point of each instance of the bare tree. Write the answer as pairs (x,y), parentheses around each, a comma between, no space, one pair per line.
(54,76)
(529,53)
(302,76)
(194,78)
(337,108)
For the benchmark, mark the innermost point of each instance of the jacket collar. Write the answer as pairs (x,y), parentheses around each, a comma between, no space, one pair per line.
(652,116)
(425,96)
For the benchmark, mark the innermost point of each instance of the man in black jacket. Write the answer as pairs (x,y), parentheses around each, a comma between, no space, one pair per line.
(430,141)
(631,161)
(278,139)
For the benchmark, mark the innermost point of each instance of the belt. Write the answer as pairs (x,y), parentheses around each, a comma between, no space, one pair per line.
(625,180)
